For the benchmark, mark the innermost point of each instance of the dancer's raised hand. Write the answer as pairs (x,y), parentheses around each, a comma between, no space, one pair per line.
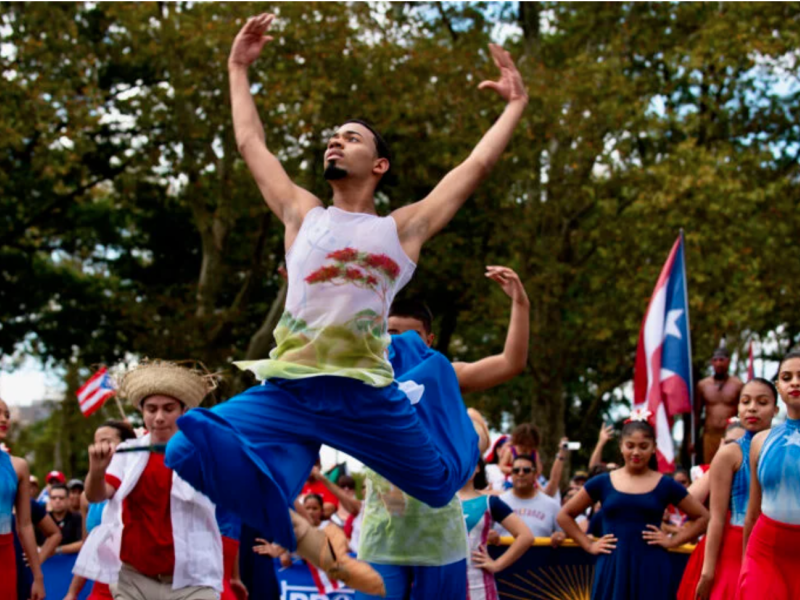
(250,40)
(509,282)
(510,85)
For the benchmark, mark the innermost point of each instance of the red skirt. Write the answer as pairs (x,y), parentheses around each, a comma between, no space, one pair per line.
(8,567)
(230,549)
(729,564)
(691,575)
(771,565)
(100,591)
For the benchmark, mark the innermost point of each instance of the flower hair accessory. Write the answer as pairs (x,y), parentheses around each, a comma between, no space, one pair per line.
(734,420)
(639,414)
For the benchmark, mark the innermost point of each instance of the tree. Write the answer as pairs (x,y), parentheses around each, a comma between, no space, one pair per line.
(128,224)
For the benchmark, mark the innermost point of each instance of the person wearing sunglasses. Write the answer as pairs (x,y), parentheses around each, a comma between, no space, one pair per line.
(536,509)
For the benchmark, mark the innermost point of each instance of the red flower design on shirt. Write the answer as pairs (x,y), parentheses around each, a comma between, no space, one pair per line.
(344,255)
(374,272)
(324,274)
(382,263)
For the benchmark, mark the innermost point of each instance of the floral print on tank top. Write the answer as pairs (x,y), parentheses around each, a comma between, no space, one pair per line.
(344,270)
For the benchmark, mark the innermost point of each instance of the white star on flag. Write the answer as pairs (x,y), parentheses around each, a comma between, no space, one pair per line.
(671,325)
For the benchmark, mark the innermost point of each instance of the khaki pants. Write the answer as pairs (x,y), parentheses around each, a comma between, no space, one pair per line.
(132,585)
(711,443)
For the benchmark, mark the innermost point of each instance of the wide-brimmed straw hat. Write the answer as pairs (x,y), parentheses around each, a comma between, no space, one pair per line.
(165,378)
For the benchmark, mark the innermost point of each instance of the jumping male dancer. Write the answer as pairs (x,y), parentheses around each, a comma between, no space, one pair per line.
(328,380)
(421,552)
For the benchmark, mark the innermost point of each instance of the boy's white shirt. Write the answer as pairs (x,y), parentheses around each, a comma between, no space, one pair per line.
(196,536)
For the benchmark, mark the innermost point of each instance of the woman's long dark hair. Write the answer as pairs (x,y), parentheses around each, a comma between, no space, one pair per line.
(480,481)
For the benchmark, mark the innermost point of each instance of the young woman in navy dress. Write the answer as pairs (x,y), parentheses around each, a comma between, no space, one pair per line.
(632,560)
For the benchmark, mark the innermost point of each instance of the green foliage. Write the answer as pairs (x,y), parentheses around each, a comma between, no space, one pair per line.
(129,224)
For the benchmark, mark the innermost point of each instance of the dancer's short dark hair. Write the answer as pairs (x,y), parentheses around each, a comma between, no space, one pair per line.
(413,309)
(383,150)
(380,144)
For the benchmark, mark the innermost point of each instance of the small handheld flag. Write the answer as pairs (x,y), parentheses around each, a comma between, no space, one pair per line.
(93,394)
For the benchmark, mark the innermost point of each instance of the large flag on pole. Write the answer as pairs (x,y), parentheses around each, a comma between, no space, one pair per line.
(93,394)
(663,373)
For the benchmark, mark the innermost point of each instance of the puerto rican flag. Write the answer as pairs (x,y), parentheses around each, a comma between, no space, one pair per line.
(93,394)
(663,373)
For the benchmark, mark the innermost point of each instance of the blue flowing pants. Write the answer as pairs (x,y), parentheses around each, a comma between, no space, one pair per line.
(252,454)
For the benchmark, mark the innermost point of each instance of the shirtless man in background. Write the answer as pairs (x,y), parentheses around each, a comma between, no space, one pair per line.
(719,393)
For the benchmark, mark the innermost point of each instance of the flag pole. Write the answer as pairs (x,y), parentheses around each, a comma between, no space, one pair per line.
(689,335)
(121,410)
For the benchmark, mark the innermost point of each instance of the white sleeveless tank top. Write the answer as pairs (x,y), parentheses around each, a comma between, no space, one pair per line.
(344,271)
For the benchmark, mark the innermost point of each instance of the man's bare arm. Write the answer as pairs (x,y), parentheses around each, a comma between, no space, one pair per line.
(606,433)
(499,368)
(418,222)
(557,470)
(288,201)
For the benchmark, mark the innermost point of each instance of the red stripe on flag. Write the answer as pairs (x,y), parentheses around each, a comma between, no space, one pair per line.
(90,408)
(95,401)
(91,384)
(94,393)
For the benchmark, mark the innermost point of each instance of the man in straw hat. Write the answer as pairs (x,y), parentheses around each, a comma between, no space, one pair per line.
(329,380)
(158,537)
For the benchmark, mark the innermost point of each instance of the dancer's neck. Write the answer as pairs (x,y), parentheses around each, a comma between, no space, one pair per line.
(354,196)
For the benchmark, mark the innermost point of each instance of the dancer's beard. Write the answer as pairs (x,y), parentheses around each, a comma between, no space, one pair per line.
(332,172)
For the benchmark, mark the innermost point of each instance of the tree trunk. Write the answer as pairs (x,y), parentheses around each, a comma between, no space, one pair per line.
(548,406)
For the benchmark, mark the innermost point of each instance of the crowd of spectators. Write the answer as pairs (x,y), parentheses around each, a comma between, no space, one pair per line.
(513,471)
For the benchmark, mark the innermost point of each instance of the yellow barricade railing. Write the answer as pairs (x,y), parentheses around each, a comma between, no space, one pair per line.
(568,543)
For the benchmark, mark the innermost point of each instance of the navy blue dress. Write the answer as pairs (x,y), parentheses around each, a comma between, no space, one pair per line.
(634,569)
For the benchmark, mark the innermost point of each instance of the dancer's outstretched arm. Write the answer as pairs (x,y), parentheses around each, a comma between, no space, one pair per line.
(418,222)
(289,202)
(499,368)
